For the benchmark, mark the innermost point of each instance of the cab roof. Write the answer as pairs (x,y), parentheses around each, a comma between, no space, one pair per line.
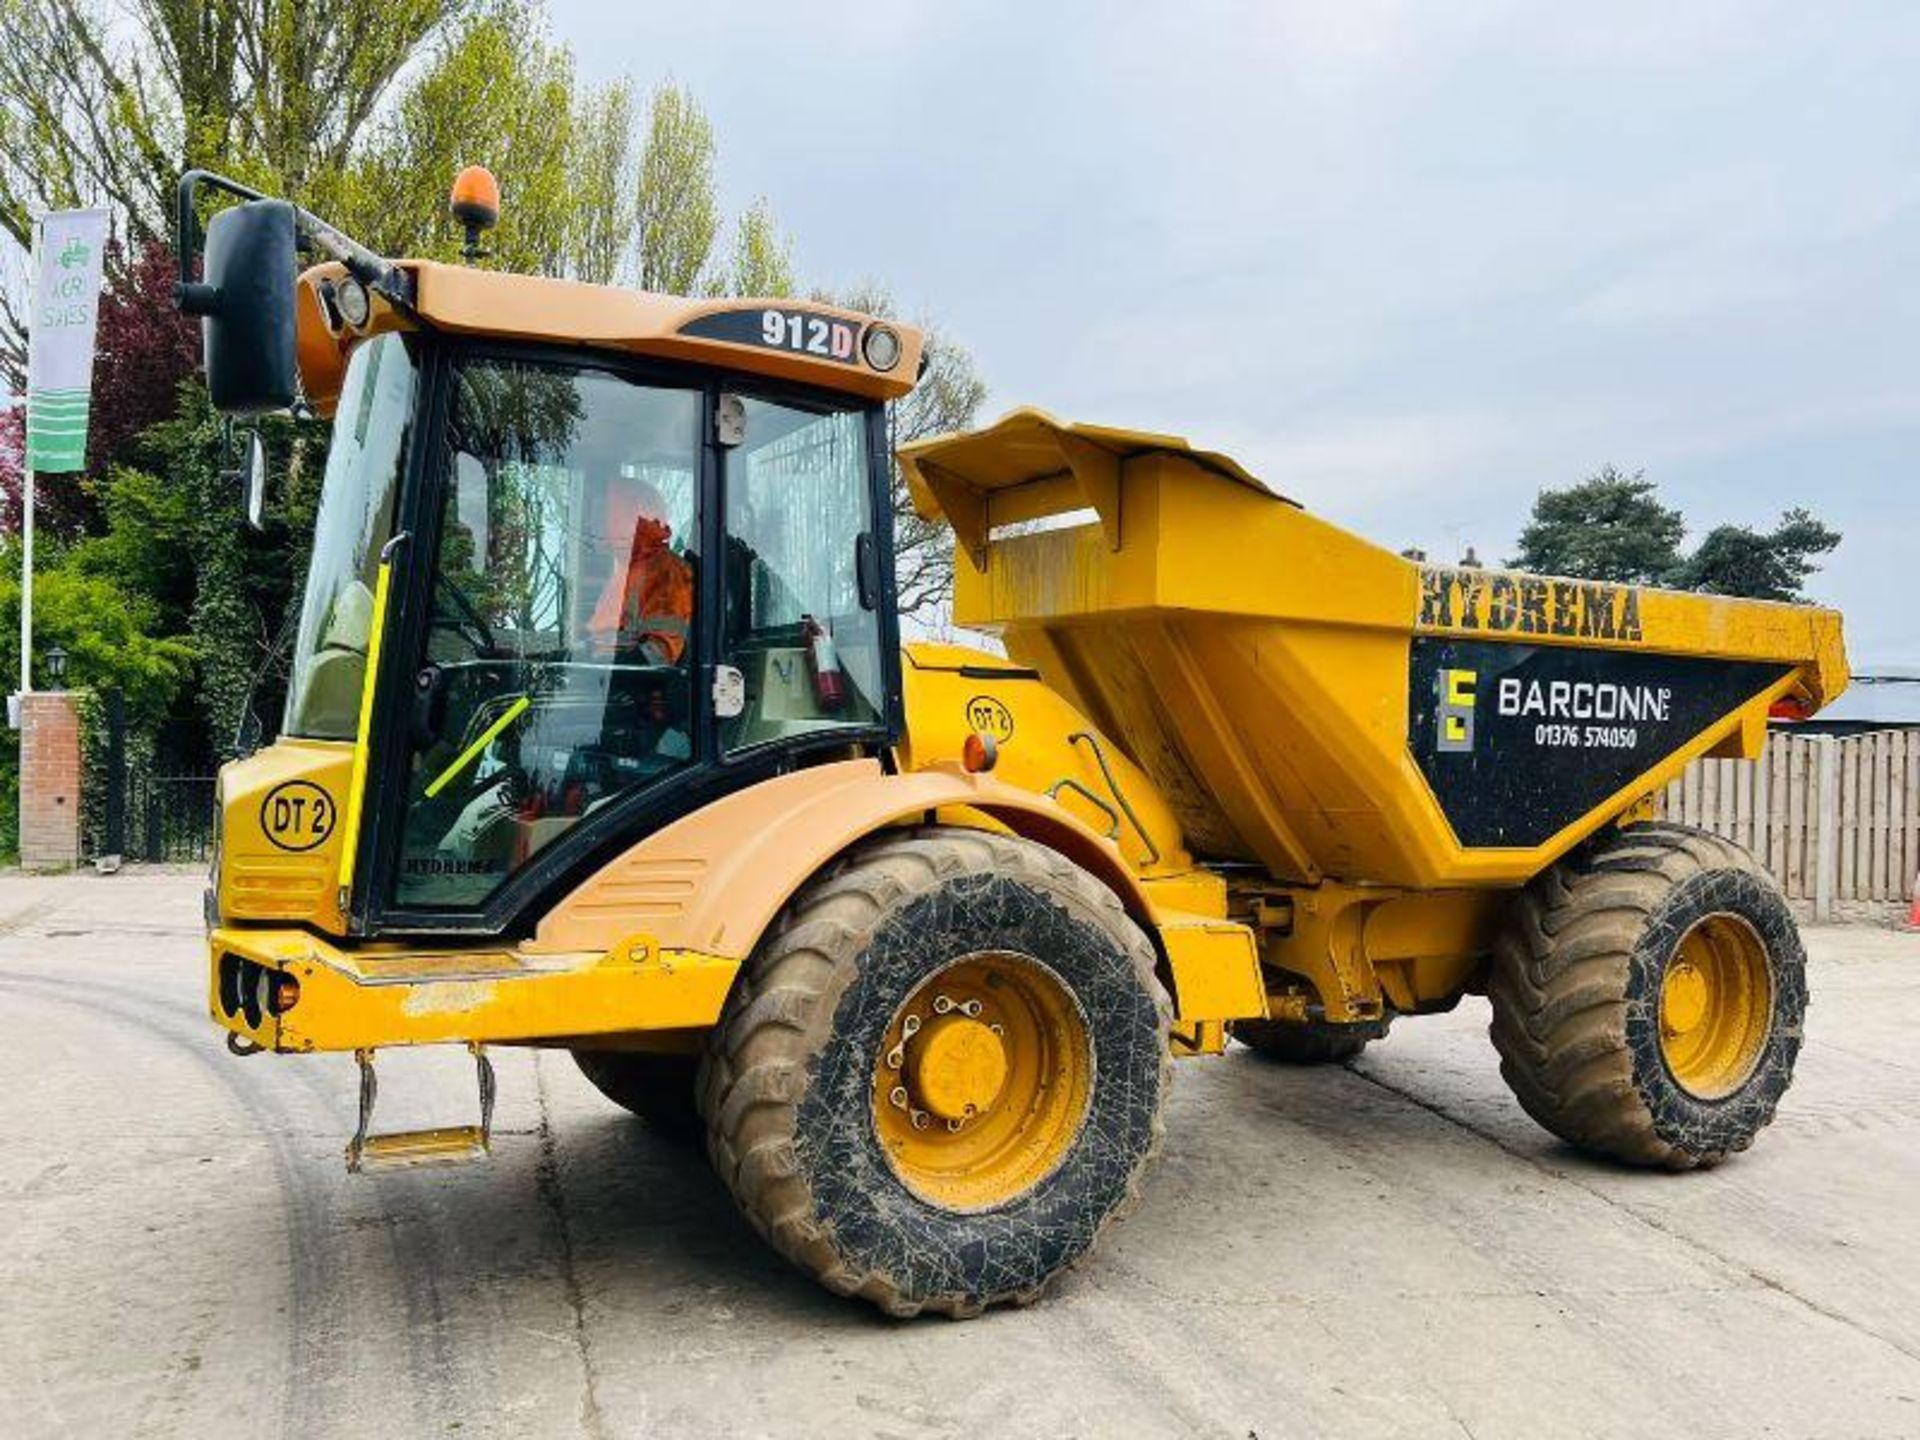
(787,339)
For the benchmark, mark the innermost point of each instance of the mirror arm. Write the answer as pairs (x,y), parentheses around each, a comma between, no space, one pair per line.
(369,269)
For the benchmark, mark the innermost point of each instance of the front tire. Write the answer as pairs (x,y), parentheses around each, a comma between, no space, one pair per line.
(942,1073)
(1648,995)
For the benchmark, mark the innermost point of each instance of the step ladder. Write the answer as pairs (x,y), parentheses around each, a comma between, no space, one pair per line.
(405,1149)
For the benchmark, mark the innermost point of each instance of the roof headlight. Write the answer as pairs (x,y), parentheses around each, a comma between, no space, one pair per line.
(881,347)
(351,298)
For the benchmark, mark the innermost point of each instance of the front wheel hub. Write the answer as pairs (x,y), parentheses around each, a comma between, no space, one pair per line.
(982,1081)
(955,1067)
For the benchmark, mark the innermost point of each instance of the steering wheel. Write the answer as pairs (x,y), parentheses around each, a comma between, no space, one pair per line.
(468,623)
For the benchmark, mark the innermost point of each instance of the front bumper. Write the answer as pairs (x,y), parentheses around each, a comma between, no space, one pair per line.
(363,999)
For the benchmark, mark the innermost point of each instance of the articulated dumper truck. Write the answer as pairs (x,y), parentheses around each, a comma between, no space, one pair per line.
(600,738)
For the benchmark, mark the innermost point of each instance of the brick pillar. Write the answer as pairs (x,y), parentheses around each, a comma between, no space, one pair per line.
(49,781)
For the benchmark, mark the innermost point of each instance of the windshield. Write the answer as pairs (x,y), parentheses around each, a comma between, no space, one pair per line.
(370,435)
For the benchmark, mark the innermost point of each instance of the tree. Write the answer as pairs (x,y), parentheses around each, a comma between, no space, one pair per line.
(1737,560)
(98,106)
(602,157)
(762,260)
(948,397)
(496,92)
(143,348)
(674,205)
(1612,527)
(1608,527)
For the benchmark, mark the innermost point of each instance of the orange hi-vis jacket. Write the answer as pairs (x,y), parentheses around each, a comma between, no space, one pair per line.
(651,604)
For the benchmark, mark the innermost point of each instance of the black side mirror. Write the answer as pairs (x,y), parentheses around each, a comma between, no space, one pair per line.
(245,302)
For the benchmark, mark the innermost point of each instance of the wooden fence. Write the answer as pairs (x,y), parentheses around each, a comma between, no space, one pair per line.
(1834,818)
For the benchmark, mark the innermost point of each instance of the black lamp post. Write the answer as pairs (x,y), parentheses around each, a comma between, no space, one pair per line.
(57,667)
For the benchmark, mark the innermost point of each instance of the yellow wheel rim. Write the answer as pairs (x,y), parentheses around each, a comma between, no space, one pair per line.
(982,1081)
(1716,1006)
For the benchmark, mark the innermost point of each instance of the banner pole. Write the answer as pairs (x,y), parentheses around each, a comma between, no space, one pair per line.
(26,581)
(26,490)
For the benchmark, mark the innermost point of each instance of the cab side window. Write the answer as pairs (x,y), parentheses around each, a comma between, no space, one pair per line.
(798,625)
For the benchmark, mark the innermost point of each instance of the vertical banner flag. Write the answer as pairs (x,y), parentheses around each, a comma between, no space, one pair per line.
(66,294)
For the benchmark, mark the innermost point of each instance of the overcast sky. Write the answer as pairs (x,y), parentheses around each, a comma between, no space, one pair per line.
(1408,262)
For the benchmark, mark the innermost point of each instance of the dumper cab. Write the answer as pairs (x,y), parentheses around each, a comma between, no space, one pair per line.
(561,594)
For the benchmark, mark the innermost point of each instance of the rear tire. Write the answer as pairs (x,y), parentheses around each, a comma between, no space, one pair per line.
(1648,995)
(659,1088)
(1038,1026)
(1306,1043)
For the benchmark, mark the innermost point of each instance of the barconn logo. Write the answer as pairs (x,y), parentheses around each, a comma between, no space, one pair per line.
(1582,699)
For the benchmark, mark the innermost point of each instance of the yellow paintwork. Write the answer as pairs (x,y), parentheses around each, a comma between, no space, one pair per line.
(703,887)
(1253,658)
(981,1082)
(372,997)
(1032,726)
(284,873)
(956,1067)
(1716,1006)
(1216,974)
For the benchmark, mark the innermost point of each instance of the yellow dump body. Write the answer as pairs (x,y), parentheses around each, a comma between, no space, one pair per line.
(1313,703)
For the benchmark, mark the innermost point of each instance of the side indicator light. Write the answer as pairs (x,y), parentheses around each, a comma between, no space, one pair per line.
(979,753)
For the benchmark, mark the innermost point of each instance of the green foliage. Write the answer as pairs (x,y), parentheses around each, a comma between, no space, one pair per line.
(107,629)
(109,633)
(674,204)
(1737,560)
(762,259)
(110,103)
(1608,527)
(1611,526)
(496,92)
(601,184)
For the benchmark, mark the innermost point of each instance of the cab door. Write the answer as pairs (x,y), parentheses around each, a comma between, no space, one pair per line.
(551,680)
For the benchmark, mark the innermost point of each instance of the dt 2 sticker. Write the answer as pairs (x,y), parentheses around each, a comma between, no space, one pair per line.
(992,719)
(297,816)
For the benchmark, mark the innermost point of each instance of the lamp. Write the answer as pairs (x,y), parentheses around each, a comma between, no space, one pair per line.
(57,666)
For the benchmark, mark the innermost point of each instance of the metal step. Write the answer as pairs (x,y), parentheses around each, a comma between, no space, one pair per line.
(404,1149)
(407,1149)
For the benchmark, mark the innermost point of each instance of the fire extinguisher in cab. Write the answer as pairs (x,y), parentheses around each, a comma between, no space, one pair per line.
(823,665)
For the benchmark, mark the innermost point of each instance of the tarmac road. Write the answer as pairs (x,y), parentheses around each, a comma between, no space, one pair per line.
(1384,1251)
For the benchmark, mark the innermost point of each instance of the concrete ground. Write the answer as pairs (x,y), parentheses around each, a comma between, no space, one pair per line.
(1392,1250)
